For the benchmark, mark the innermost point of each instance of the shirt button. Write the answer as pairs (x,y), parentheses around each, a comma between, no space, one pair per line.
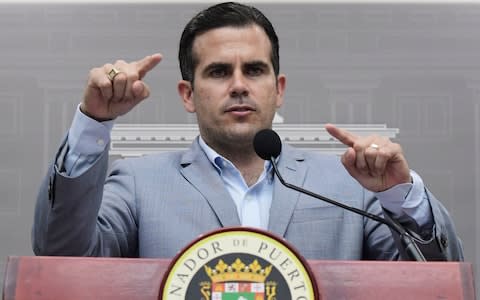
(100,142)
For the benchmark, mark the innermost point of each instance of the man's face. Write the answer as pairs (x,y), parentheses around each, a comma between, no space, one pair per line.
(235,91)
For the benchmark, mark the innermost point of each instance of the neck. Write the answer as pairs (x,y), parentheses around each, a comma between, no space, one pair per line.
(244,158)
(251,171)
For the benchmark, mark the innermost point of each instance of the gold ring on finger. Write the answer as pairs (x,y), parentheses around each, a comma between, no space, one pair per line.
(112,73)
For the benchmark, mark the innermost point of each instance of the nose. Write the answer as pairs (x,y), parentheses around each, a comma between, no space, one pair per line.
(239,87)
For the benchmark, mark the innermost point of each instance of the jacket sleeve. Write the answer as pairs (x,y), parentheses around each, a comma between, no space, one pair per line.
(437,241)
(85,215)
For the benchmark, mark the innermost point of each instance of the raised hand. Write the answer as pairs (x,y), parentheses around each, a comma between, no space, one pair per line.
(375,162)
(114,89)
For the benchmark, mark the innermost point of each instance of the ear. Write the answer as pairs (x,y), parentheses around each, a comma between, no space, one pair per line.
(281,85)
(186,94)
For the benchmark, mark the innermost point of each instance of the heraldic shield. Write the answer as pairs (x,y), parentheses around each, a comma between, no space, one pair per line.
(238,264)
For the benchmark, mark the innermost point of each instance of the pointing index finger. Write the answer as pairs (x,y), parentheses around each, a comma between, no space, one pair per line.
(344,136)
(148,63)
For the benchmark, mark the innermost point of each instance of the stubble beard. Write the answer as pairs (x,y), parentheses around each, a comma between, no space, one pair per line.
(230,142)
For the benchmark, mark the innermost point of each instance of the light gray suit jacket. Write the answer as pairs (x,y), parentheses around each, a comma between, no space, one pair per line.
(155,205)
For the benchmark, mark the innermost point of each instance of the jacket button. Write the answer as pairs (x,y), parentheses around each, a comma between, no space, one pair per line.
(50,189)
(444,241)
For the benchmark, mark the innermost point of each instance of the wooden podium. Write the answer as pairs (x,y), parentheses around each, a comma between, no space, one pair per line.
(120,278)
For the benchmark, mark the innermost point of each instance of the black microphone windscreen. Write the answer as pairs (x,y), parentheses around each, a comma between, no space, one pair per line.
(267,144)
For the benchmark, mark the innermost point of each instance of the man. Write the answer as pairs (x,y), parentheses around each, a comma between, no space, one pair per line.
(155,205)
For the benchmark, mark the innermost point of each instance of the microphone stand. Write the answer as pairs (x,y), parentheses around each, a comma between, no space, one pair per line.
(406,239)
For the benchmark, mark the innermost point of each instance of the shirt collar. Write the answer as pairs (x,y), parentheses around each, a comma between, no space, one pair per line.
(220,162)
(213,156)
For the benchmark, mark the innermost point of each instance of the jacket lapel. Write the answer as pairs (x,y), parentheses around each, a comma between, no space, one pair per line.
(284,200)
(198,170)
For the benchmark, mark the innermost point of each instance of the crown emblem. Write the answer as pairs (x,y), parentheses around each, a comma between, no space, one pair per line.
(238,271)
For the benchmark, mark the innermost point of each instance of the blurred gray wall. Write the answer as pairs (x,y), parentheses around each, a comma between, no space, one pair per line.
(414,67)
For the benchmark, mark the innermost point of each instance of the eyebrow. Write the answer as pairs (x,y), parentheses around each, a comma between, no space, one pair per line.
(257,63)
(220,65)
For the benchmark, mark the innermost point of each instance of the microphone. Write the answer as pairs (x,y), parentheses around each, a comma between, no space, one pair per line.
(268,146)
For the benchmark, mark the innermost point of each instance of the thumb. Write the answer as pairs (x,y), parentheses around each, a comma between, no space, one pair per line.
(140,90)
(348,158)
(348,161)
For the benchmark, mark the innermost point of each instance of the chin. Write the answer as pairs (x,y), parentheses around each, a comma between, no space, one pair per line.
(246,129)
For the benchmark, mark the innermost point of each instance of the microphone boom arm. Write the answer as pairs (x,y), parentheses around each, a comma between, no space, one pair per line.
(406,239)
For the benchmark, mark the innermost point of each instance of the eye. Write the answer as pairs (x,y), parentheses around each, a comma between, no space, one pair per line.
(217,72)
(254,71)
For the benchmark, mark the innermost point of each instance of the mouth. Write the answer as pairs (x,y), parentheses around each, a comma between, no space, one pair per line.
(240,110)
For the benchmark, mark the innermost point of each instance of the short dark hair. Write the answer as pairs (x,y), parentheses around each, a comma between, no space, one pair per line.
(223,15)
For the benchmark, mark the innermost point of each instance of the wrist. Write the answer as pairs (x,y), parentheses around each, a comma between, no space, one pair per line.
(84,111)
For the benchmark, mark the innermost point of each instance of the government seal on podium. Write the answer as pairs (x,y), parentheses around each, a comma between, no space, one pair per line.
(238,263)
